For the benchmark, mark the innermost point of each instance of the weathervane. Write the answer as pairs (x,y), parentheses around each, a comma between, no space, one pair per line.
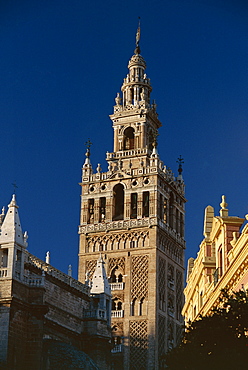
(15,187)
(137,49)
(88,144)
(180,161)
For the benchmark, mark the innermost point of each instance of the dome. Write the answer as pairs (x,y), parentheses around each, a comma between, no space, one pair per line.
(137,60)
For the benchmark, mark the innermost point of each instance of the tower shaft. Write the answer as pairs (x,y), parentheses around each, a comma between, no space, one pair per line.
(134,215)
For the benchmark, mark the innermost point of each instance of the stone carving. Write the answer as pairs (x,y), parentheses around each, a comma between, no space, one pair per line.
(114,262)
(161,335)
(162,283)
(118,241)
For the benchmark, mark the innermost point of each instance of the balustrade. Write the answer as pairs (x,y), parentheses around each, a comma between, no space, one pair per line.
(117,313)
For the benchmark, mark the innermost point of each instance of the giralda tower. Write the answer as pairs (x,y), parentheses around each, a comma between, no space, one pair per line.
(133,215)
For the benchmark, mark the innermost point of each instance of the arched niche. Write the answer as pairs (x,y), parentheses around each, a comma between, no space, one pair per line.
(118,193)
(128,140)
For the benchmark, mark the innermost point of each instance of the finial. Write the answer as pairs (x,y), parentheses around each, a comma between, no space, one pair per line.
(70,270)
(180,161)
(223,204)
(137,49)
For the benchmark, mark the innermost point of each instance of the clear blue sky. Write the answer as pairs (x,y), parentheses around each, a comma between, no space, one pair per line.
(61,64)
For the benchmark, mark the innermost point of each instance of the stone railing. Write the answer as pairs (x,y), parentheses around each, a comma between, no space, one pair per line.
(126,153)
(95,314)
(50,270)
(117,313)
(3,272)
(34,281)
(116,286)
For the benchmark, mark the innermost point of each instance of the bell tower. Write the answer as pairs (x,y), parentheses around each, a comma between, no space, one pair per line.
(133,215)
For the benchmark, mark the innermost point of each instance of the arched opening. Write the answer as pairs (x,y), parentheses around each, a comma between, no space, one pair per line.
(133,307)
(145,210)
(128,138)
(134,198)
(116,276)
(141,307)
(118,202)
(171,211)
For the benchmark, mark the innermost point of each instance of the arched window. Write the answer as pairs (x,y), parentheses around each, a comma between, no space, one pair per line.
(118,202)
(128,138)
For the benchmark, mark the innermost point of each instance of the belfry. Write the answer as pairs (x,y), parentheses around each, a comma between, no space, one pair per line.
(133,215)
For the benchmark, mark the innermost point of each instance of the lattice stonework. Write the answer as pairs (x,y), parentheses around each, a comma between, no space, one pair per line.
(179,294)
(179,332)
(139,280)
(162,275)
(138,345)
(90,267)
(113,262)
(161,335)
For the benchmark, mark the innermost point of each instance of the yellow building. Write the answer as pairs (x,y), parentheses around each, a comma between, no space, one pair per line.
(221,262)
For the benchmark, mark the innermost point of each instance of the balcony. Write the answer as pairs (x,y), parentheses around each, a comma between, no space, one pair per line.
(95,314)
(117,286)
(117,349)
(117,313)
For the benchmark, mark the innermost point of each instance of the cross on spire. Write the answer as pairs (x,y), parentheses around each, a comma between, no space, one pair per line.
(88,144)
(180,161)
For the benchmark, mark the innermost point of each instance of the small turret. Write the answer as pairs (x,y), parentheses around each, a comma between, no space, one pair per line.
(100,288)
(11,230)
(87,167)
(100,282)
(12,242)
